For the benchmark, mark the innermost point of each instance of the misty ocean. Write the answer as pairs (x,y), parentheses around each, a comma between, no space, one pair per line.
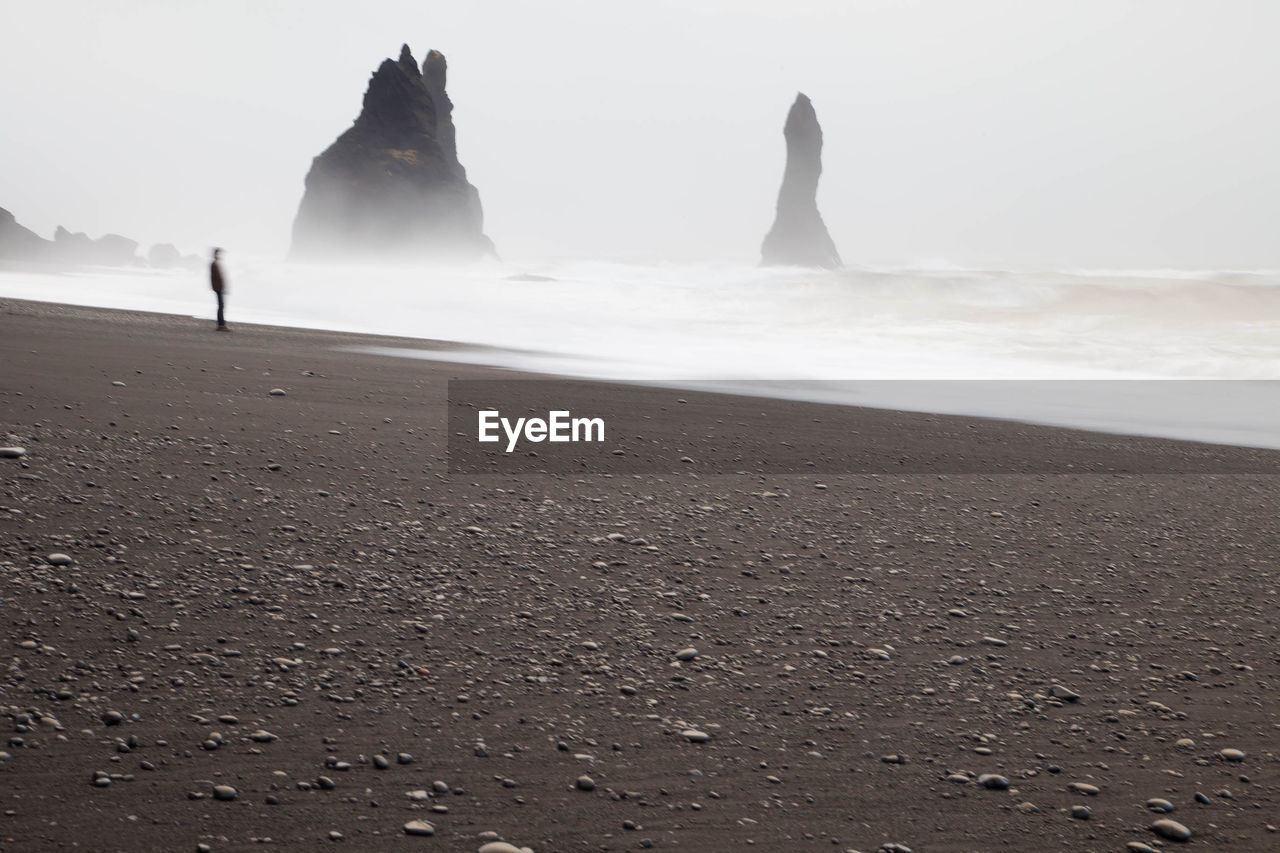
(815,335)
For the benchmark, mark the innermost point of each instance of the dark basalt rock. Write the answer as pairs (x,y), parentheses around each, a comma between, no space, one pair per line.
(799,236)
(391,185)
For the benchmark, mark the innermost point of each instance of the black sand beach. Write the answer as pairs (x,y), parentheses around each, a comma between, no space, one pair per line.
(289,601)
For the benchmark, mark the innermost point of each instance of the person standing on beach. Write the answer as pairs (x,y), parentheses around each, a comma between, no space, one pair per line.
(219,284)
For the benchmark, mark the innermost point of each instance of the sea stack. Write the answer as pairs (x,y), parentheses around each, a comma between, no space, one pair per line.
(391,186)
(799,236)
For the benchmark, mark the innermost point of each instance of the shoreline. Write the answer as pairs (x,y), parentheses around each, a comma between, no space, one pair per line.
(913,404)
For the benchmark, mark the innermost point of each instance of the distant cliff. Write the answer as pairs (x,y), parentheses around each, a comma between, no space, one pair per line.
(799,236)
(391,185)
(18,243)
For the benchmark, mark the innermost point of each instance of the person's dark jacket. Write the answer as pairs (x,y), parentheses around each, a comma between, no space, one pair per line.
(215,277)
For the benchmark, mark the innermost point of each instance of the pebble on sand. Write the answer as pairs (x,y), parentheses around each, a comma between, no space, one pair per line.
(59,559)
(1232,755)
(1066,694)
(687,654)
(503,847)
(695,736)
(224,792)
(276,392)
(12,452)
(419,827)
(1171,830)
(993,781)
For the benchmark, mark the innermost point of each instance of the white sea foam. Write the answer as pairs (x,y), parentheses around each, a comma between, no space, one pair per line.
(676,324)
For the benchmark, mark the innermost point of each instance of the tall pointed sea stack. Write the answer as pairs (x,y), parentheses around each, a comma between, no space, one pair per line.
(799,236)
(391,185)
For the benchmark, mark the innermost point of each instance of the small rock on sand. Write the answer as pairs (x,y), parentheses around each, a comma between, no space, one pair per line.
(59,559)
(1171,830)
(12,452)
(419,827)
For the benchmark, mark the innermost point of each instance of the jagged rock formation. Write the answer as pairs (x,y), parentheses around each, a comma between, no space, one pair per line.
(18,243)
(391,185)
(109,250)
(799,236)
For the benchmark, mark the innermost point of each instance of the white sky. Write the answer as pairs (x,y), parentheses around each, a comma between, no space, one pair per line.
(994,132)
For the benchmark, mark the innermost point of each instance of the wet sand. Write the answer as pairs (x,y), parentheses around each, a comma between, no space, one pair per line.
(279,594)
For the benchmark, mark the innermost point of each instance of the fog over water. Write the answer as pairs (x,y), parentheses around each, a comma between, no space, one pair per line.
(803,334)
(989,133)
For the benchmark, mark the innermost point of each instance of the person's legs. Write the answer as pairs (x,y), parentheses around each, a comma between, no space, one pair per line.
(222,322)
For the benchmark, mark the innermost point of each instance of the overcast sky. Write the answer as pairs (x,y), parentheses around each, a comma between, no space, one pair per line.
(991,132)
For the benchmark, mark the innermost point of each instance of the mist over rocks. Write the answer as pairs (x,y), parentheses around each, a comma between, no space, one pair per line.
(110,250)
(19,243)
(392,185)
(166,256)
(799,236)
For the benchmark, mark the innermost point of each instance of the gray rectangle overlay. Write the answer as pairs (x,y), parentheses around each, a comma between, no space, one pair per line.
(869,427)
